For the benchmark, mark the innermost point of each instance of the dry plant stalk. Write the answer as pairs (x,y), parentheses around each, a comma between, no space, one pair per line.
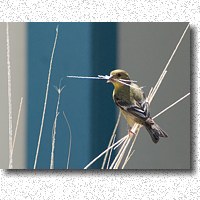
(113,145)
(46,98)
(70,140)
(9,98)
(59,90)
(111,140)
(171,105)
(53,141)
(17,123)
(109,158)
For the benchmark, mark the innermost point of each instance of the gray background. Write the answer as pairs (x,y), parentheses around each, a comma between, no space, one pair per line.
(144,50)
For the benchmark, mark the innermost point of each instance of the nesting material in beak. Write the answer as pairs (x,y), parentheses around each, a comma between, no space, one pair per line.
(110,79)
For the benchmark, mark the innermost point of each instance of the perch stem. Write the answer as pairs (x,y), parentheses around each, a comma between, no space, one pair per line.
(117,164)
(111,139)
(95,159)
(109,157)
(119,152)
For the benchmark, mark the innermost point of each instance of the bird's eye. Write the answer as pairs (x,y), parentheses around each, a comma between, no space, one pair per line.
(118,75)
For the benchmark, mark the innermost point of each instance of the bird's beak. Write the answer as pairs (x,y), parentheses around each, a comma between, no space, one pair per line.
(110,79)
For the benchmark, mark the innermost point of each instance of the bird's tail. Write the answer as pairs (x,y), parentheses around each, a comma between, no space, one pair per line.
(155,131)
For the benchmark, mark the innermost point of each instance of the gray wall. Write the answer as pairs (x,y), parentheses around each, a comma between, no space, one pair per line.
(144,49)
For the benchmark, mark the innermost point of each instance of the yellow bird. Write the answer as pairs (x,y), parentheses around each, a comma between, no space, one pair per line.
(131,100)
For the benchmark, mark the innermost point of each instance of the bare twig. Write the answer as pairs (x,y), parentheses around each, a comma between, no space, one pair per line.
(70,140)
(46,97)
(9,98)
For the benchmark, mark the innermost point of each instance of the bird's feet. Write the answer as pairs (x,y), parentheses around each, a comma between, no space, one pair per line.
(131,132)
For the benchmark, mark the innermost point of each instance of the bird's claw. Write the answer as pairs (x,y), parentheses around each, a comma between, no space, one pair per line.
(130,132)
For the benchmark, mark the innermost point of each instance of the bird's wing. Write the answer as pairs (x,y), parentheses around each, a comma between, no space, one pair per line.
(140,109)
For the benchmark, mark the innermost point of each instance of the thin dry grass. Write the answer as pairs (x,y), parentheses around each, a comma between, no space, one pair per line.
(9,98)
(45,101)
(70,140)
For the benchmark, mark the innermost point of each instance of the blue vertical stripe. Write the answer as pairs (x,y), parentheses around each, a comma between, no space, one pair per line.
(104,51)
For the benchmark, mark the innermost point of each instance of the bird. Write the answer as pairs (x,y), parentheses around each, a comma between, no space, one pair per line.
(131,100)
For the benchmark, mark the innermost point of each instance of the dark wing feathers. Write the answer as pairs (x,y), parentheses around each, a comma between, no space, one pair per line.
(141,110)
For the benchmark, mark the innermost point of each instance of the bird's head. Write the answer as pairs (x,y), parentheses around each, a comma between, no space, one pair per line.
(117,75)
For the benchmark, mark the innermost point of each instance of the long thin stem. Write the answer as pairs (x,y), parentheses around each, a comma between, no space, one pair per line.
(150,92)
(116,166)
(46,97)
(170,106)
(53,141)
(135,129)
(86,77)
(155,89)
(95,159)
(110,153)
(70,139)
(59,90)
(119,152)
(111,139)
(128,158)
(130,150)
(179,42)
(17,123)
(9,98)
(118,145)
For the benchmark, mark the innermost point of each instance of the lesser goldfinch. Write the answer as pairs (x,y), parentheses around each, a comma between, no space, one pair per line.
(132,103)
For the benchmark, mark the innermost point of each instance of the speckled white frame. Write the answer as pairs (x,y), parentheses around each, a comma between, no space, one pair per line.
(113,184)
